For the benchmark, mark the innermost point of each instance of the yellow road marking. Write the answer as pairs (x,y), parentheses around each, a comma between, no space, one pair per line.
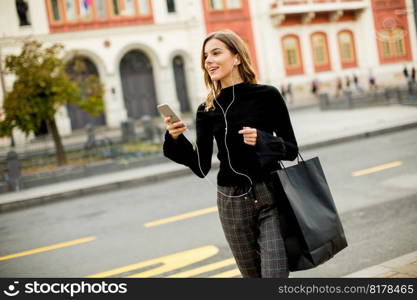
(377,168)
(227,274)
(48,248)
(170,263)
(203,269)
(182,217)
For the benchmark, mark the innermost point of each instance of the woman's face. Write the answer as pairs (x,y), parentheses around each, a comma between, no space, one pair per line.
(219,60)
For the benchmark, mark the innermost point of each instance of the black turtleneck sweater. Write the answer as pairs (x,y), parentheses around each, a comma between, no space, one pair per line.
(257,106)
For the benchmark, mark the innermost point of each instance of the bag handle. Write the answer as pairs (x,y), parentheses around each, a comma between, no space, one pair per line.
(298,160)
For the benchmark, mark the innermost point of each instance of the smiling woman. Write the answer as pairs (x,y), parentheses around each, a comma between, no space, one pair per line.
(251,125)
(220,62)
(224,67)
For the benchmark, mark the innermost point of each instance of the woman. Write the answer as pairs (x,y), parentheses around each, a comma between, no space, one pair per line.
(242,116)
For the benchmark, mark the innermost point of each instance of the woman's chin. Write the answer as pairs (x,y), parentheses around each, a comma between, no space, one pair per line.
(215,77)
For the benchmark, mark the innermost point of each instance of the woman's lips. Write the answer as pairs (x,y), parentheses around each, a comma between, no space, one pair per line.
(212,70)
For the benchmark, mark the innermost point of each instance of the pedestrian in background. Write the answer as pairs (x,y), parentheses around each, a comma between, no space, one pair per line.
(408,79)
(339,86)
(253,131)
(372,82)
(283,92)
(405,73)
(413,75)
(356,82)
(290,94)
(347,83)
(314,87)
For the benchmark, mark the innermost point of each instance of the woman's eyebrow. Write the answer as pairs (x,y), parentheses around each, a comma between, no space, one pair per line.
(213,50)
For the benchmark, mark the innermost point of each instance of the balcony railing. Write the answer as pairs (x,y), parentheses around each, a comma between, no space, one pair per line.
(308,8)
(301,6)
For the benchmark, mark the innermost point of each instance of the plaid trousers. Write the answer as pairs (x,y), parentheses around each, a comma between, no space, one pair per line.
(251,227)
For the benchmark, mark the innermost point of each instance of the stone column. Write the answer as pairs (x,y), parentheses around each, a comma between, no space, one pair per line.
(115,110)
(165,86)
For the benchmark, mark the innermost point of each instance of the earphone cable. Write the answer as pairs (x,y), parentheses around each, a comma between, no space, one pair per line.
(227,149)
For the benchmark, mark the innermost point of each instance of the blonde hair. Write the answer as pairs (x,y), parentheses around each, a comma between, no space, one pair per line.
(235,45)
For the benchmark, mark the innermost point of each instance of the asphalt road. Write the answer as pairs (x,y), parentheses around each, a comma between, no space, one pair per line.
(109,234)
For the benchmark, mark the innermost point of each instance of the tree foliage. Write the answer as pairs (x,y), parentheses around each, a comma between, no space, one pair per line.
(42,86)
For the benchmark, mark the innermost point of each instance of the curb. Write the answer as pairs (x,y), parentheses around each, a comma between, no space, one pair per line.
(28,200)
(385,267)
(358,136)
(24,202)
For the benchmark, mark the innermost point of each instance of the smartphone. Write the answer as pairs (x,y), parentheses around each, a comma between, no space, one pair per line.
(167,111)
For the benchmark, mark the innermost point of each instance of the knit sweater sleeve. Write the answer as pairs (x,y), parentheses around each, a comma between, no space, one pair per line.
(182,151)
(283,145)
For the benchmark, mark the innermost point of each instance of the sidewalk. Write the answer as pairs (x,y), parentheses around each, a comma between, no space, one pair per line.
(401,267)
(313,128)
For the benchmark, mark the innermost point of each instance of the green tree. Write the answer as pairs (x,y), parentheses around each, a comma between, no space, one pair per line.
(41,87)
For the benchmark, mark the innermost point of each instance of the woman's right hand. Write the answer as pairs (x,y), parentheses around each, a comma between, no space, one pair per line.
(174,129)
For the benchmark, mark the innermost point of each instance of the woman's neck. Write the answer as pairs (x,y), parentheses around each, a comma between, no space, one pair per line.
(226,82)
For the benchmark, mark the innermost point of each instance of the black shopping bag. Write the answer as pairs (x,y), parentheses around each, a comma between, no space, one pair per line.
(309,221)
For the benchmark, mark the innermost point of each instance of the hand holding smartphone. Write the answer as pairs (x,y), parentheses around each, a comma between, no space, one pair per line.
(174,125)
(167,111)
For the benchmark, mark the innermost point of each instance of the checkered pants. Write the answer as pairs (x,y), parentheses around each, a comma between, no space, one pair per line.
(251,228)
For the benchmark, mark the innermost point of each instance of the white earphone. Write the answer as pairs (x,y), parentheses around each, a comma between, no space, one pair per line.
(227,149)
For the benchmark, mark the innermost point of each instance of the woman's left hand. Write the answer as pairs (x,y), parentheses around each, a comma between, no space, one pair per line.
(249,135)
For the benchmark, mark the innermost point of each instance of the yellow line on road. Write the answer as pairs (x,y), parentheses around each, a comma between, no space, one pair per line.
(204,269)
(227,274)
(377,168)
(182,217)
(48,248)
(163,264)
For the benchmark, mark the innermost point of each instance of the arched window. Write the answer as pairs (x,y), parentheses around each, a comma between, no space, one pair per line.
(138,84)
(392,43)
(56,10)
(181,83)
(292,54)
(398,37)
(346,49)
(385,43)
(22,9)
(225,4)
(82,68)
(320,52)
(171,6)
(232,4)
(216,4)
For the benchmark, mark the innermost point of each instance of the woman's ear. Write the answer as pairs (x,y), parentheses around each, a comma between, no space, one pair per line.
(236,61)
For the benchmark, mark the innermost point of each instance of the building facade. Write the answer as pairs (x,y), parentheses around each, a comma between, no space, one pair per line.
(147,52)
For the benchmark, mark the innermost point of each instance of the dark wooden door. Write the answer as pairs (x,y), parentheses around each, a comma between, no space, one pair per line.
(138,85)
(181,84)
(79,118)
